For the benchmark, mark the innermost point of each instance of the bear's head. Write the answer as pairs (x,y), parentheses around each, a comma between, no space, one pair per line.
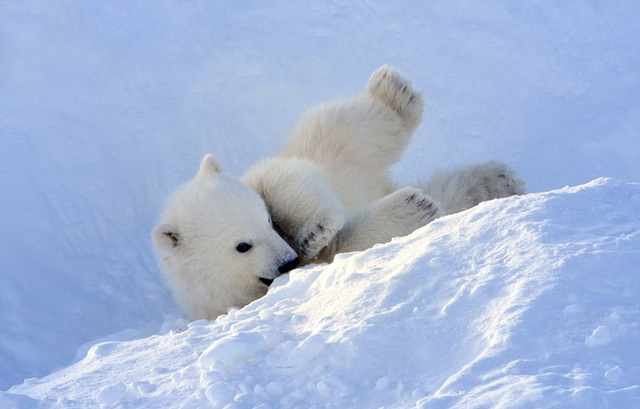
(217,245)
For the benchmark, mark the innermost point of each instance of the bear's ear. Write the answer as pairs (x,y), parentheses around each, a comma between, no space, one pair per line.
(166,236)
(209,166)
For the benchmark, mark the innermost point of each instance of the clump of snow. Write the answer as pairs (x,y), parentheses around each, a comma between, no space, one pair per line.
(522,302)
(599,336)
(110,395)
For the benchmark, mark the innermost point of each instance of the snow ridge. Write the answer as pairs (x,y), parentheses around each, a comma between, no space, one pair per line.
(523,302)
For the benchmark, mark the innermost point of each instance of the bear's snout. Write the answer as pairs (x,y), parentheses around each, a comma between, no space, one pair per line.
(289,265)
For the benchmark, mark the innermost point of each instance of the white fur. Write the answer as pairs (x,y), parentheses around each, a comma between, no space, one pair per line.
(463,188)
(356,140)
(327,190)
(202,225)
(303,204)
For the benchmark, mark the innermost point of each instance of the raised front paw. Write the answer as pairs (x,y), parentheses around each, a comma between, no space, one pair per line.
(316,235)
(388,86)
(410,208)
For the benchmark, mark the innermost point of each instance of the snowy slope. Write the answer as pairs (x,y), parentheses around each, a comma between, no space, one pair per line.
(527,302)
(107,106)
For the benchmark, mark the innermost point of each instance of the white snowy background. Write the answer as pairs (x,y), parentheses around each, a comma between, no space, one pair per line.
(107,106)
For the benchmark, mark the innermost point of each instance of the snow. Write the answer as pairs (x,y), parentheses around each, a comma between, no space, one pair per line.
(106,107)
(523,302)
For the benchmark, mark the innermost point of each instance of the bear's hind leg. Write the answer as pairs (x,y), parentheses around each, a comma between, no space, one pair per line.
(356,140)
(463,188)
(388,86)
(395,215)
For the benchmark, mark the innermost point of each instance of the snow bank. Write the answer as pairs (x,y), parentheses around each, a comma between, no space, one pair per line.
(527,302)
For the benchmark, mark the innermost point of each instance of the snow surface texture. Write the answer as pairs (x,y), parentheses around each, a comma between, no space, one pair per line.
(106,107)
(525,302)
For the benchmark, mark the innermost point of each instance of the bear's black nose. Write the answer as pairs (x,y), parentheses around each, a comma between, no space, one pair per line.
(289,265)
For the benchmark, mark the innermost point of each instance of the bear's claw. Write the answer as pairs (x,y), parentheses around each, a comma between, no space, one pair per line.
(412,208)
(315,236)
(389,87)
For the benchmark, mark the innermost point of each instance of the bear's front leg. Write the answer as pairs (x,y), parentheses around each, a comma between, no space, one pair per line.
(395,215)
(316,235)
(304,208)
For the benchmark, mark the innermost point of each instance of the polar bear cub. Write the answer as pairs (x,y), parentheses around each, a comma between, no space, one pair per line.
(217,244)
(326,191)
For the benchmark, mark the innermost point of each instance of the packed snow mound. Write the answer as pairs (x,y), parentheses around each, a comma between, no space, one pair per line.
(525,302)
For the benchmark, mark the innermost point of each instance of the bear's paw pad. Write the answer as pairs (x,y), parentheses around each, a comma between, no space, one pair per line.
(413,208)
(498,181)
(388,86)
(316,235)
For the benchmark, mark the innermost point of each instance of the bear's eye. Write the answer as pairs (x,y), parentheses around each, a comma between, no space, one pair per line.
(243,247)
